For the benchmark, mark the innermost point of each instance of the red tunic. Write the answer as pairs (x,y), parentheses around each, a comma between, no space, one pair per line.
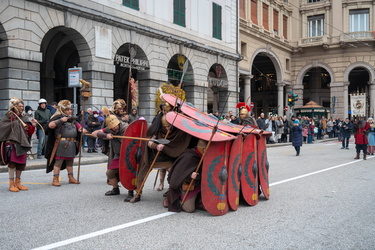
(360,136)
(20,159)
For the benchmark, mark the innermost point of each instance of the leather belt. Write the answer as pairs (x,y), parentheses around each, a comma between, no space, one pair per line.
(68,139)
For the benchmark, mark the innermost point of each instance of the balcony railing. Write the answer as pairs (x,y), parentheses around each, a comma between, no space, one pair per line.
(360,35)
(313,41)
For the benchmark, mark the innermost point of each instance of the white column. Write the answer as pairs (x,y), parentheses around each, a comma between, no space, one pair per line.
(247,88)
(346,99)
(280,98)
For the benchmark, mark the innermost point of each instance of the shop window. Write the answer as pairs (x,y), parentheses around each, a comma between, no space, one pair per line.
(134,4)
(179,14)
(216,22)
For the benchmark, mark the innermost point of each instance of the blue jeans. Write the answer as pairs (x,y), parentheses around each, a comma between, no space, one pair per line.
(309,138)
(40,135)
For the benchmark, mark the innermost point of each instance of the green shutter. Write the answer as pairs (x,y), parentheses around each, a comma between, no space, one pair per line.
(179,12)
(134,4)
(216,22)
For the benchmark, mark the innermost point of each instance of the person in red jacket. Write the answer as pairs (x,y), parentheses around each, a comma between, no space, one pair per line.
(16,129)
(361,128)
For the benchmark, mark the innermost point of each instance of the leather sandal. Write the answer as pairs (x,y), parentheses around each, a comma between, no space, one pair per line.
(115,191)
(135,199)
(130,196)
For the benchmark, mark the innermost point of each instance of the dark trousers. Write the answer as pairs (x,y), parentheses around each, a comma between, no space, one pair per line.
(283,137)
(345,142)
(298,149)
(360,147)
(91,142)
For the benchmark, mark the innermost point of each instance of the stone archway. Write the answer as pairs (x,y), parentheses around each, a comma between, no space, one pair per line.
(130,58)
(59,49)
(264,84)
(175,71)
(360,79)
(217,88)
(316,87)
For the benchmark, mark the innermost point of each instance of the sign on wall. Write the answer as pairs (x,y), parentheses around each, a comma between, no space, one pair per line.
(103,42)
(358,104)
(74,75)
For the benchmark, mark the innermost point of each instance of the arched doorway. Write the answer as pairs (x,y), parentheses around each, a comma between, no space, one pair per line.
(316,86)
(59,54)
(359,78)
(130,58)
(175,71)
(217,88)
(263,85)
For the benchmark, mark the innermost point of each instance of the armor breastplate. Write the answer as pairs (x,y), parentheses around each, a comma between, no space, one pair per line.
(66,148)
(116,142)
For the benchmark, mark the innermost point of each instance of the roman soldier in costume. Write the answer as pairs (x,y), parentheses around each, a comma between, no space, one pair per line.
(16,131)
(244,118)
(179,141)
(63,142)
(113,127)
(118,110)
(180,176)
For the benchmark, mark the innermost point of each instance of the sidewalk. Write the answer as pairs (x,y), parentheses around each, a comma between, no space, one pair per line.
(93,158)
(86,158)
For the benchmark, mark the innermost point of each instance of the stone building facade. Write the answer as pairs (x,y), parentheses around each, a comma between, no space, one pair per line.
(149,40)
(321,50)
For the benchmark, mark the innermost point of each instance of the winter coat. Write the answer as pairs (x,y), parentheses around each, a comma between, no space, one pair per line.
(286,127)
(93,123)
(297,136)
(262,123)
(279,127)
(43,116)
(371,136)
(346,129)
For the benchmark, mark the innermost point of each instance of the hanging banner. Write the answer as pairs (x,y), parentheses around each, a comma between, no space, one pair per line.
(358,104)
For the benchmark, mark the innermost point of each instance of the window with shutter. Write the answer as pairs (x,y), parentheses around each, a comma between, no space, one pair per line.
(179,15)
(134,4)
(216,22)
(265,16)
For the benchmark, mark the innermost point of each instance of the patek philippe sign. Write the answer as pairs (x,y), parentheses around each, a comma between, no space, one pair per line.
(129,62)
(217,82)
(358,104)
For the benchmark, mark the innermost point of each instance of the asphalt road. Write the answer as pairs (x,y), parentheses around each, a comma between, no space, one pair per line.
(322,199)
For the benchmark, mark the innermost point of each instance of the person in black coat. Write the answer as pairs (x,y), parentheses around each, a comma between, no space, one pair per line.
(297,136)
(346,130)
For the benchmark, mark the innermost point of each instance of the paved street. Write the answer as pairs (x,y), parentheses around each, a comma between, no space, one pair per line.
(322,199)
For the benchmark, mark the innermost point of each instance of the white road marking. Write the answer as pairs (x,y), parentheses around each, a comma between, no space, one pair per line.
(316,172)
(104,231)
(159,216)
